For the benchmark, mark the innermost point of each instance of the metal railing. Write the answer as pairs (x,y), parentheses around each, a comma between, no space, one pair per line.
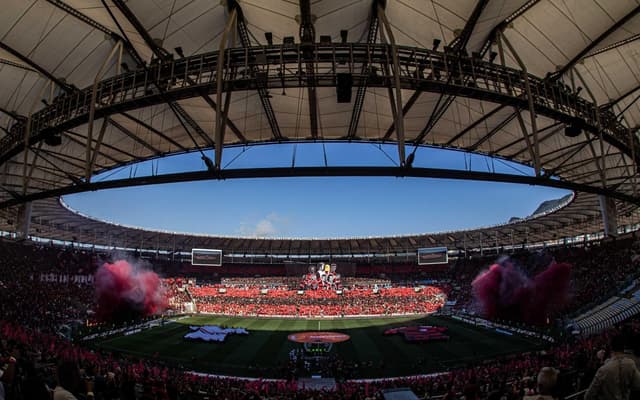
(285,66)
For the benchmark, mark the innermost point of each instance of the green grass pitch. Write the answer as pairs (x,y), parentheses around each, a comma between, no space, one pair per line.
(264,352)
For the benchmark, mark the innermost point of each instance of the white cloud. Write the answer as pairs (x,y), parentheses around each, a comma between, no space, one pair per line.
(265,228)
(271,225)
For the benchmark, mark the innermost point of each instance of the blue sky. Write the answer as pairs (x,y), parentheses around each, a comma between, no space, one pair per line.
(315,207)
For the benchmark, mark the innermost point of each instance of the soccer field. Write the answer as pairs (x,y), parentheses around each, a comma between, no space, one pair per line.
(265,351)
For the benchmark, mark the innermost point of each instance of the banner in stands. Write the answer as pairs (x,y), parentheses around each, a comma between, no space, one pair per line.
(297,269)
(609,215)
(209,257)
(433,255)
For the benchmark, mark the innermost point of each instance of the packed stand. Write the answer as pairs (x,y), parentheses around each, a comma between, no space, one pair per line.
(598,271)
(257,302)
(37,361)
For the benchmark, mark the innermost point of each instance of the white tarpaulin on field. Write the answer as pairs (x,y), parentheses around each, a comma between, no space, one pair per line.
(213,333)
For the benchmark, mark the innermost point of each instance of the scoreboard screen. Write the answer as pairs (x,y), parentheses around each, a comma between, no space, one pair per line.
(432,255)
(206,257)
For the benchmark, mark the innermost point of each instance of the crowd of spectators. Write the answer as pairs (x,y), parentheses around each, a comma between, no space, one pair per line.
(177,294)
(293,282)
(597,271)
(253,302)
(37,361)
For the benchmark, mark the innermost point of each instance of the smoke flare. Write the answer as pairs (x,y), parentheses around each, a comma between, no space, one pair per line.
(125,292)
(505,292)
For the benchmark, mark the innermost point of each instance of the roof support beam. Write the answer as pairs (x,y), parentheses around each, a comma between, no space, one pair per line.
(407,106)
(634,161)
(493,35)
(175,107)
(116,50)
(154,130)
(325,172)
(27,178)
(96,148)
(96,25)
(474,124)
(35,66)
(435,116)
(46,170)
(372,34)
(532,111)
(185,119)
(525,135)
(593,172)
(460,42)
(493,131)
(613,46)
(77,163)
(79,139)
(565,165)
(308,36)
(135,137)
(263,93)
(555,128)
(459,47)
(221,114)
(399,116)
(569,150)
(621,112)
(602,164)
(594,43)
(57,168)
(179,112)
(27,131)
(161,54)
(230,123)
(16,65)
(12,114)
(619,99)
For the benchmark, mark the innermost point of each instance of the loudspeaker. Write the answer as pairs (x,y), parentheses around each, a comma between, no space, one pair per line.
(572,131)
(343,87)
(53,140)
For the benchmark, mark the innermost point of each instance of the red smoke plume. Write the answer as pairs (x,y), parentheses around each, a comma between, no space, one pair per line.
(124,292)
(505,292)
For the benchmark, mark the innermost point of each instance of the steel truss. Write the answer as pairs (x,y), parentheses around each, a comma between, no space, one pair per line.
(284,66)
(244,173)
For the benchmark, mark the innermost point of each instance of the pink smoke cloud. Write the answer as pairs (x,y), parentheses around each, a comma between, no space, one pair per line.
(124,292)
(505,292)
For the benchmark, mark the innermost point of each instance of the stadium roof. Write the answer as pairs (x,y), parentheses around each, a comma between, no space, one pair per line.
(87,86)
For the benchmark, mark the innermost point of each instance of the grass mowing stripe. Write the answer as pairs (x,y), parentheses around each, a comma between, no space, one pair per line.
(267,345)
(271,348)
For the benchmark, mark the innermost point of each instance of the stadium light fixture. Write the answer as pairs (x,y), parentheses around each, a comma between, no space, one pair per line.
(436,44)
(269,37)
(572,131)
(179,51)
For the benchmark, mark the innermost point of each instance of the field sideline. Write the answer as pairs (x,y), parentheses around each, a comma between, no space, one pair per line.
(264,352)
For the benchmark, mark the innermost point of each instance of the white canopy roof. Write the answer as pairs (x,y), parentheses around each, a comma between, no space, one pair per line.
(590,46)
